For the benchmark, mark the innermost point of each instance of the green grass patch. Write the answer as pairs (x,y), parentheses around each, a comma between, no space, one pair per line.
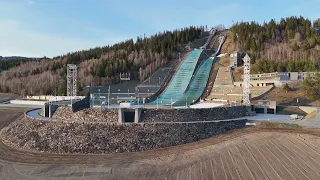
(290,110)
(277,125)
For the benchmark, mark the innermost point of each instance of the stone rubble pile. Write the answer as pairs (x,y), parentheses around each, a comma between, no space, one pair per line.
(187,115)
(60,137)
(87,115)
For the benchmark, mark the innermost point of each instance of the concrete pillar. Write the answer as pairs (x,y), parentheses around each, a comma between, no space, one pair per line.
(137,113)
(44,110)
(120,116)
(49,110)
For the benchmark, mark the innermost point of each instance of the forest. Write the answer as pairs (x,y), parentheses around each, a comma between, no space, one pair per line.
(292,44)
(97,66)
(7,64)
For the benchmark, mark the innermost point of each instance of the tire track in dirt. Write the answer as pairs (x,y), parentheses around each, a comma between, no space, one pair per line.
(307,160)
(289,163)
(282,169)
(229,165)
(241,166)
(289,166)
(265,164)
(251,161)
(299,161)
(313,155)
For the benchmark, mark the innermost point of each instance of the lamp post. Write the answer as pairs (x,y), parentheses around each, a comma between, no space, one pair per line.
(157,103)
(99,96)
(186,102)
(109,97)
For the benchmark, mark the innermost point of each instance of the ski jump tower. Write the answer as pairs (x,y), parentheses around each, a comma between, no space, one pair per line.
(246,80)
(72,80)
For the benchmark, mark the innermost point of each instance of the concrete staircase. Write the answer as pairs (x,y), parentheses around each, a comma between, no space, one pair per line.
(233,93)
(224,78)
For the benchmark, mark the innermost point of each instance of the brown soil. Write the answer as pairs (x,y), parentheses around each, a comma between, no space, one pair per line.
(228,46)
(290,97)
(252,153)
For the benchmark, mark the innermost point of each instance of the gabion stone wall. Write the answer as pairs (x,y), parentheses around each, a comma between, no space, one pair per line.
(60,137)
(187,115)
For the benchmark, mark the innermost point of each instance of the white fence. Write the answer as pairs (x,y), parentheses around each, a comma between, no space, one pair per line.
(54,98)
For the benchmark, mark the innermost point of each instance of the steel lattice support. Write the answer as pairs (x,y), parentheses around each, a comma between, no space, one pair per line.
(72,80)
(246,80)
(235,59)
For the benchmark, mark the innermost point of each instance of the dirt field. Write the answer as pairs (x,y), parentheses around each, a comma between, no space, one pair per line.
(290,98)
(253,153)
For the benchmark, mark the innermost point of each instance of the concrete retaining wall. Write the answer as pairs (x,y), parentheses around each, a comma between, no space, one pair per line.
(29,102)
(86,115)
(54,98)
(186,115)
(82,104)
(306,109)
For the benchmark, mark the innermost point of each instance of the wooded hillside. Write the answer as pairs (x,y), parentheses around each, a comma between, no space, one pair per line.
(97,66)
(292,44)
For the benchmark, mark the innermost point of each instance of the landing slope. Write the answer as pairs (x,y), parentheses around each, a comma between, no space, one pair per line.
(180,80)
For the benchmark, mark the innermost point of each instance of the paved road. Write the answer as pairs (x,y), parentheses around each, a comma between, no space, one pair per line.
(311,123)
(308,123)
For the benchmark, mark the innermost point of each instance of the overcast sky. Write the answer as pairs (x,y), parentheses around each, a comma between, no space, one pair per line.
(37,28)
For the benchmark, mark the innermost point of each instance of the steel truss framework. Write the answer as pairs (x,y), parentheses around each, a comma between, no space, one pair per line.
(246,80)
(72,80)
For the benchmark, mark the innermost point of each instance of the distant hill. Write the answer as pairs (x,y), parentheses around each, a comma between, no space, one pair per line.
(13,58)
(97,66)
(290,44)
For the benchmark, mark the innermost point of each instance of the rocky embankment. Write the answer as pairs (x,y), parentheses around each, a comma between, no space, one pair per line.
(187,115)
(60,137)
(86,115)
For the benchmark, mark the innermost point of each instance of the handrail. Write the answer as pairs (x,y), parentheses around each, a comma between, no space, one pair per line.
(153,97)
(209,39)
(221,41)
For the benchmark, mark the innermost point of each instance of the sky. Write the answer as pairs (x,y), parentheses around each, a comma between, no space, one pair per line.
(37,28)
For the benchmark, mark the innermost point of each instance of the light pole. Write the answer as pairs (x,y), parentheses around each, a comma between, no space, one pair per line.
(99,96)
(109,97)
(186,102)
(157,103)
